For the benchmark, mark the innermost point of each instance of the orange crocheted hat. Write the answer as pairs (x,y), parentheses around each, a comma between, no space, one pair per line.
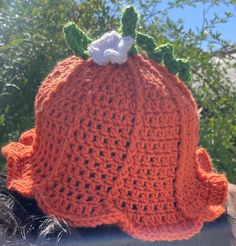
(116,141)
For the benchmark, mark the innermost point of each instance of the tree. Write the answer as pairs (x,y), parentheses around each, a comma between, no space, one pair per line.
(32,42)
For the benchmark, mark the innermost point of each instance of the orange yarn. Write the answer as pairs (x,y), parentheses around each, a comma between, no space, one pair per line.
(117,145)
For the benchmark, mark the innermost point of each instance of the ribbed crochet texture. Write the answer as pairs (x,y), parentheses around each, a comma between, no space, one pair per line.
(117,144)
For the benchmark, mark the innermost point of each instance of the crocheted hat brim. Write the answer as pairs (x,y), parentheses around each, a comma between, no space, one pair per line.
(19,178)
(183,230)
(166,232)
(19,174)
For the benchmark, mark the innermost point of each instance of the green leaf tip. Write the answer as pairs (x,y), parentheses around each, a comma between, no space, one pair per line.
(129,22)
(164,54)
(146,42)
(76,40)
(184,70)
(167,51)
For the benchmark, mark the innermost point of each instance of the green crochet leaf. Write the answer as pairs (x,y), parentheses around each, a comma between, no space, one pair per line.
(184,70)
(164,54)
(76,39)
(146,42)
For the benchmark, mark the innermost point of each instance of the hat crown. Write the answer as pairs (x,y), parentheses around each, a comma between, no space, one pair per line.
(114,127)
(117,144)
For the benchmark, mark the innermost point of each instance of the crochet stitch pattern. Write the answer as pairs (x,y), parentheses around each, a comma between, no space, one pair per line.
(117,144)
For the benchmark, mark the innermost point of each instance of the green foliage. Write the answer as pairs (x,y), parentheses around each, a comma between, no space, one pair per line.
(31,42)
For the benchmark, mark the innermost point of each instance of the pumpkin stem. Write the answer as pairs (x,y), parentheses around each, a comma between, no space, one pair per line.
(129,21)
(76,39)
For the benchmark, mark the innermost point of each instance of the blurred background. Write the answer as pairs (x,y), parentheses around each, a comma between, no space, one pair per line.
(32,42)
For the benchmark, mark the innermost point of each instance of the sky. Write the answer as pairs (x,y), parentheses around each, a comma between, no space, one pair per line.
(193,18)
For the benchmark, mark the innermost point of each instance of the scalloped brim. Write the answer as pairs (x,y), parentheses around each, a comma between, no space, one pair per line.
(20,179)
(19,174)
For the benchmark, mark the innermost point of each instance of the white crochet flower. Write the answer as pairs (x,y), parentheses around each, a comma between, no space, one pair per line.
(111,47)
